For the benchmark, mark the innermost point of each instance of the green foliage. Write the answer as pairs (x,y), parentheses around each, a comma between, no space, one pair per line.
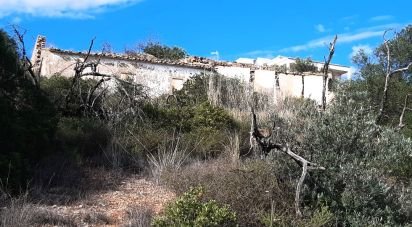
(57,89)
(321,217)
(365,163)
(194,91)
(189,109)
(205,115)
(372,78)
(27,119)
(303,65)
(189,210)
(82,137)
(164,52)
(400,49)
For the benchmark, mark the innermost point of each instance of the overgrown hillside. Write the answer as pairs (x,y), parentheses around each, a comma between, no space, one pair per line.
(66,141)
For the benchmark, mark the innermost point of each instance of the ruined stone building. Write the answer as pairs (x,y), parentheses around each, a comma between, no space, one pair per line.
(162,76)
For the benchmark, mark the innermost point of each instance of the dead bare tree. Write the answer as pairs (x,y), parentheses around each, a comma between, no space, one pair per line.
(325,70)
(389,74)
(266,144)
(26,63)
(262,139)
(130,92)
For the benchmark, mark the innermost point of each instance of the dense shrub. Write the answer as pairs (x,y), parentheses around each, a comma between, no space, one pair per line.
(70,103)
(248,188)
(365,163)
(82,137)
(190,118)
(189,210)
(27,119)
(164,52)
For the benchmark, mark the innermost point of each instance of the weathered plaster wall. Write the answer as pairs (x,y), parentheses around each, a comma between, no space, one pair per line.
(163,78)
(158,78)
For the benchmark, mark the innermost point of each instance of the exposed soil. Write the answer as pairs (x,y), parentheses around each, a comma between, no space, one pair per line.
(112,205)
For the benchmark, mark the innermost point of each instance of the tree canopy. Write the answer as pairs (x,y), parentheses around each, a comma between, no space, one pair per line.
(372,71)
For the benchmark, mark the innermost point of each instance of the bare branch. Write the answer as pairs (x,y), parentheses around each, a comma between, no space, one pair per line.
(325,70)
(127,98)
(89,50)
(27,65)
(401,69)
(267,145)
(388,75)
(401,124)
(388,52)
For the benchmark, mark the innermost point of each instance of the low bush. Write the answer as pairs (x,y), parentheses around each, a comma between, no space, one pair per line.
(189,210)
(189,118)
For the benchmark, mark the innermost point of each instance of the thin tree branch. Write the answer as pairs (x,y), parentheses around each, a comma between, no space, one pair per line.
(267,145)
(325,70)
(401,124)
(388,75)
(27,65)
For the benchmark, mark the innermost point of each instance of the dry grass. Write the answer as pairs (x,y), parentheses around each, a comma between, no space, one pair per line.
(17,213)
(232,147)
(20,212)
(171,154)
(43,217)
(97,218)
(248,187)
(138,216)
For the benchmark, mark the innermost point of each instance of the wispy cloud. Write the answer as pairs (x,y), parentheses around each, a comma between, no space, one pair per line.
(260,53)
(342,38)
(360,34)
(355,49)
(79,9)
(320,28)
(381,18)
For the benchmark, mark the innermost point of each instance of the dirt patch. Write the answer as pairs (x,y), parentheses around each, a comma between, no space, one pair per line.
(109,208)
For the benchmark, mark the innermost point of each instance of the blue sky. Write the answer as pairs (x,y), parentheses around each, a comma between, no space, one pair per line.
(233,28)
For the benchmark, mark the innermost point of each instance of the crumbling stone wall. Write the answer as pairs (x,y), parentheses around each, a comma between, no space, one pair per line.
(162,76)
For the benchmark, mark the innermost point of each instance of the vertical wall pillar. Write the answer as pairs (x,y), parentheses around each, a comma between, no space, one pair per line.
(38,46)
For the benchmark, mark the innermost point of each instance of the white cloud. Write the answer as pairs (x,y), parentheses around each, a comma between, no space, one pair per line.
(260,53)
(350,74)
(366,48)
(347,37)
(360,34)
(60,8)
(320,28)
(381,18)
